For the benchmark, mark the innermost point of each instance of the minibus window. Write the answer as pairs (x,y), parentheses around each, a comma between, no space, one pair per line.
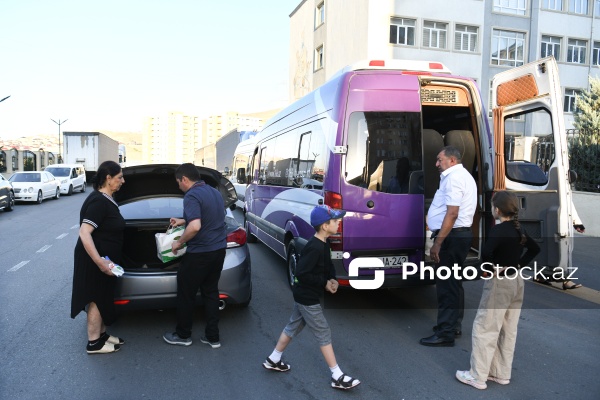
(384,151)
(529,147)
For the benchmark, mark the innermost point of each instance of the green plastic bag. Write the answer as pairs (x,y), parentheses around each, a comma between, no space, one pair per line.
(164,242)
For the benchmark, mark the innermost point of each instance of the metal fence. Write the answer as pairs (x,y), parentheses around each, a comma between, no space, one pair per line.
(584,158)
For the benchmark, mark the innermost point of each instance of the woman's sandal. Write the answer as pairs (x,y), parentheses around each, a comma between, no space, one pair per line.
(107,348)
(571,285)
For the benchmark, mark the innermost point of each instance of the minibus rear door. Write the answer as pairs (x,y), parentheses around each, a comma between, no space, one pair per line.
(531,155)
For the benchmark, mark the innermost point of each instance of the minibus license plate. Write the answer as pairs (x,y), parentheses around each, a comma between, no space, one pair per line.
(393,261)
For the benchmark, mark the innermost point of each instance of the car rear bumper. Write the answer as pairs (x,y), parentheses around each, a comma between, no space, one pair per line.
(158,289)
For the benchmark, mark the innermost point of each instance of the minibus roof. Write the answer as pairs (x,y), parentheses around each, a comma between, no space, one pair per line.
(400,65)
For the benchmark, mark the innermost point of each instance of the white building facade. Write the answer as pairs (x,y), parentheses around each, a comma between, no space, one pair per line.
(474,38)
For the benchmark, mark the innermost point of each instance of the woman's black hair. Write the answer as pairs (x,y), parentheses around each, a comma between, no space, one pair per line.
(107,168)
(508,205)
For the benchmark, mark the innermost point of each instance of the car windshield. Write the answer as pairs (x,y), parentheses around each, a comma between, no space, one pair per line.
(25,178)
(154,208)
(59,171)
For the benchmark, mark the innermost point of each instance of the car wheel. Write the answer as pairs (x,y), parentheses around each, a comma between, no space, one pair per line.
(40,197)
(83,188)
(11,202)
(292,262)
(250,238)
(57,194)
(70,190)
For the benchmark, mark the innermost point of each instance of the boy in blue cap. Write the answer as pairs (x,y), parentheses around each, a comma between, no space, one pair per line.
(314,273)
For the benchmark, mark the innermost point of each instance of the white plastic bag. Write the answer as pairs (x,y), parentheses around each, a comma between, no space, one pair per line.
(164,242)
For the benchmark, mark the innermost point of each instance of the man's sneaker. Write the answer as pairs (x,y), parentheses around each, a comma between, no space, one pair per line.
(279,366)
(466,378)
(173,338)
(214,345)
(344,382)
(499,380)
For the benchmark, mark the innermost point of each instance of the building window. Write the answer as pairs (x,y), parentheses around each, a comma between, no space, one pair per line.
(597,8)
(596,54)
(402,31)
(555,5)
(569,103)
(508,48)
(576,51)
(319,62)
(465,38)
(578,6)
(434,34)
(320,14)
(550,46)
(510,6)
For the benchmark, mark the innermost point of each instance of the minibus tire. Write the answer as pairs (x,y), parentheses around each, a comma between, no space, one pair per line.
(292,263)
(250,238)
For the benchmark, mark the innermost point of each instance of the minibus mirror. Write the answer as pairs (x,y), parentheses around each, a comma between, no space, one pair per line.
(226,171)
(241,175)
(572,176)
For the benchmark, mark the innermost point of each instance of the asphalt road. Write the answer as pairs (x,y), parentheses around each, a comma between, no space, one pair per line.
(375,334)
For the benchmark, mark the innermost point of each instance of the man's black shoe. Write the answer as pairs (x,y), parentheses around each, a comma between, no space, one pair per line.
(436,341)
(457,333)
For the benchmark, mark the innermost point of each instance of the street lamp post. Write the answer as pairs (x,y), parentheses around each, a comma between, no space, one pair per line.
(4,99)
(59,123)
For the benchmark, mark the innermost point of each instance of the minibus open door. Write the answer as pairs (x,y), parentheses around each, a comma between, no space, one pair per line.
(531,156)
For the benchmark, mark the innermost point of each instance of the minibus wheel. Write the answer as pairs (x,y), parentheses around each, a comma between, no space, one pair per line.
(292,262)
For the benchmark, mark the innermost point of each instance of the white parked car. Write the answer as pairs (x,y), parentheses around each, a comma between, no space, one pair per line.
(35,186)
(71,177)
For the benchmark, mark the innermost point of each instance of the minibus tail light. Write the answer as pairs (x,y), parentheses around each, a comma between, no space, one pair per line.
(334,200)
(377,63)
(434,65)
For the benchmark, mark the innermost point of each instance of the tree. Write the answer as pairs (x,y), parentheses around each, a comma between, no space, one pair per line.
(587,109)
(584,147)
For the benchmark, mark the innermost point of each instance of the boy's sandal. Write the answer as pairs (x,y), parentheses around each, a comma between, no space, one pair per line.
(340,383)
(276,366)
(571,285)
(107,348)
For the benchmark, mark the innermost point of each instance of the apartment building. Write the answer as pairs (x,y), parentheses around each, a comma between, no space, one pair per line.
(218,125)
(474,38)
(171,138)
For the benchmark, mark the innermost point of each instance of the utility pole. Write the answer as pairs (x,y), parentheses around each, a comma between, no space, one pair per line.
(59,123)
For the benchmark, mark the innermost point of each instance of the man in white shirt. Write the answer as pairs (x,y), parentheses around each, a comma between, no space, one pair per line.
(449,218)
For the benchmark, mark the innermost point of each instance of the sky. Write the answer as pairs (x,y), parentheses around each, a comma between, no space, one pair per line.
(105,65)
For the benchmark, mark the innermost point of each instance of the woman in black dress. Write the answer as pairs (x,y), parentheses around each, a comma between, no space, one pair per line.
(100,235)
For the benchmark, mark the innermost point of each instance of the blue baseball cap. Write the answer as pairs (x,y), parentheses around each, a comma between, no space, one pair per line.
(322,214)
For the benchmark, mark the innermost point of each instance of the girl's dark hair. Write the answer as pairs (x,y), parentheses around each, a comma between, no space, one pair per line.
(508,205)
(105,169)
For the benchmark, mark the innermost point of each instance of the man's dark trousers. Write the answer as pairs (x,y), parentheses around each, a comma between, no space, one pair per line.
(199,271)
(450,293)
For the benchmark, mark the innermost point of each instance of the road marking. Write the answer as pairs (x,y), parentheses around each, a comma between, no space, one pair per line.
(62,236)
(43,249)
(75,227)
(19,265)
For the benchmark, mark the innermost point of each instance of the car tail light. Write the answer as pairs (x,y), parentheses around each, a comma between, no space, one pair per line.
(236,238)
(344,282)
(121,302)
(334,200)
(223,296)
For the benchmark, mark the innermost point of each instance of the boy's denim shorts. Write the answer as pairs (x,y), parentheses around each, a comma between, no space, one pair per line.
(313,317)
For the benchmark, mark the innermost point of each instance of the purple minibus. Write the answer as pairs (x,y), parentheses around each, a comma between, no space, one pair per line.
(366,141)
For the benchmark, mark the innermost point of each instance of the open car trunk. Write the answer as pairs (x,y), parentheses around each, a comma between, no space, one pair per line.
(139,246)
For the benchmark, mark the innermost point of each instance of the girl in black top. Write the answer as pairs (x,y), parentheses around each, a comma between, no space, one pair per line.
(495,325)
